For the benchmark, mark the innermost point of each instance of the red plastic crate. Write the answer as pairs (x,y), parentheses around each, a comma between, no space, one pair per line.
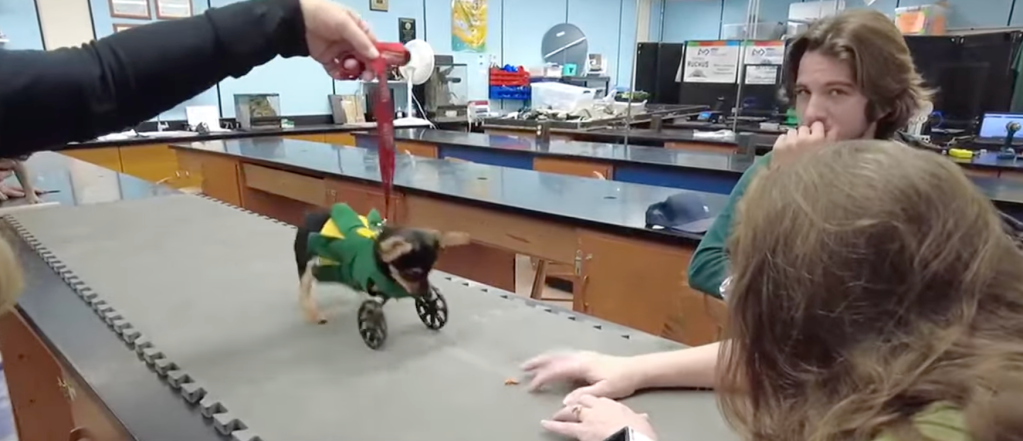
(499,77)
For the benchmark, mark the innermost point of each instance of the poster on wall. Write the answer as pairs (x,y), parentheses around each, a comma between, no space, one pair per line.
(378,5)
(469,25)
(764,52)
(130,9)
(171,9)
(711,62)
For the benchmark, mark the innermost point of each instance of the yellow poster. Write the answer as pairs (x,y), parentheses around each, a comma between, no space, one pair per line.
(469,25)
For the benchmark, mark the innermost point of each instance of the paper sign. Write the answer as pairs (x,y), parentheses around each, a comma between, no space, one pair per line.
(711,62)
(764,52)
(761,74)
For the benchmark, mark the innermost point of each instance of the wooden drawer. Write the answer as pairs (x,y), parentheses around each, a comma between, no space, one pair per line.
(314,137)
(363,198)
(702,147)
(149,162)
(416,149)
(107,157)
(584,169)
(345,139)
(546,240)
(290,185)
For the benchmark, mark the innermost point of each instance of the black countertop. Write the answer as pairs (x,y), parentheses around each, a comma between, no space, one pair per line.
(999,190)
(232,134)
(615,153)
(607,205)
(138,399)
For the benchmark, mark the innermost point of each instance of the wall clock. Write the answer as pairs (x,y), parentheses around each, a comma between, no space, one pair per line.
(565,44)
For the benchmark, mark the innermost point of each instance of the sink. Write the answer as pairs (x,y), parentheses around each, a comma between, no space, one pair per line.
(168,134)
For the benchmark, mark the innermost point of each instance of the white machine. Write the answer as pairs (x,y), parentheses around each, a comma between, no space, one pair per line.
(416,72)
(916,123)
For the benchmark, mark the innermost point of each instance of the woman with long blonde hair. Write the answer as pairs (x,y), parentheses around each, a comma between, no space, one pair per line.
(876,296)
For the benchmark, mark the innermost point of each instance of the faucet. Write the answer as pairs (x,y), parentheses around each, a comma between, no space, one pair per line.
(160,125)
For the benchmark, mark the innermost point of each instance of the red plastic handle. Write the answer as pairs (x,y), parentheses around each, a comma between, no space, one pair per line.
(394,54)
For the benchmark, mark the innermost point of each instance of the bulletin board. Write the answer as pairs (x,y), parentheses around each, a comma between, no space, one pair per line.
(469,25)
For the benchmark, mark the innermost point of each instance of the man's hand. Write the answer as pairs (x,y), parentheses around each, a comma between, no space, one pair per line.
(333,30)
(790,146)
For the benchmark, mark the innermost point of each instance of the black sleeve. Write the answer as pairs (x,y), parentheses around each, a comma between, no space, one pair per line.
(50,98)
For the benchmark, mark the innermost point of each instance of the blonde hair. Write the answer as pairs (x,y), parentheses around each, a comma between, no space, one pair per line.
(11,278)
(877,54)
(871,280)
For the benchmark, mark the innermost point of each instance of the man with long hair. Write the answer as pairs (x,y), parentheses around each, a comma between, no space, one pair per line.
(850,77)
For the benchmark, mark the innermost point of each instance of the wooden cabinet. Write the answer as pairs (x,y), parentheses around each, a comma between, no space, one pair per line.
(1011,175)
(642,285)
(218,174)
(980,172)
(586,169)
(34,381)
(314,137)
(416,149)
(107,157)
(150,162)
(338,138)
(48,402)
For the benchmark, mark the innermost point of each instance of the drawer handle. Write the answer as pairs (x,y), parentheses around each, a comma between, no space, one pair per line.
(81,434)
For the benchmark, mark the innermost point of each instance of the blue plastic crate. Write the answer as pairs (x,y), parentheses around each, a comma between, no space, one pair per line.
(510,93)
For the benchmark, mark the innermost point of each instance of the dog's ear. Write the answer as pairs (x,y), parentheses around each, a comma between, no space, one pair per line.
(393,247)
(454,239)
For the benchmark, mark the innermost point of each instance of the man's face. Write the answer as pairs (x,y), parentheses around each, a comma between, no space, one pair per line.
(827,92)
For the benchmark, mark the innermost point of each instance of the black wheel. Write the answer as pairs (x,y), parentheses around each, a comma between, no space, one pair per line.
(432,310)
(372,324)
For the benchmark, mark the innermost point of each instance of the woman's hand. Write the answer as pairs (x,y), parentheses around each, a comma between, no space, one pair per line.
(606,376)
(596,419)
(790,146)
(333,30)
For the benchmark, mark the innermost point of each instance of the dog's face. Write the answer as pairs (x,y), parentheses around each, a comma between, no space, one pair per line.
(410,254)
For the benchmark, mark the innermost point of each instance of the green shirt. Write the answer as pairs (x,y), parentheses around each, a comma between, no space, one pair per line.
(709,266)
(939,422)
(345,246)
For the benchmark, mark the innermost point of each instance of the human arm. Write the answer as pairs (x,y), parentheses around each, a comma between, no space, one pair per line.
(708,268)
(48,99)
(685,368)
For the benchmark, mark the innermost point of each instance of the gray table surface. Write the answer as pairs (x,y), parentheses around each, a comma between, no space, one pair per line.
(73,331)
(610,205)
(235,333)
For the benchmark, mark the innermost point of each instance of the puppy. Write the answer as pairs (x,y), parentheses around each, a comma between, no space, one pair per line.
(20,171)
(341,246)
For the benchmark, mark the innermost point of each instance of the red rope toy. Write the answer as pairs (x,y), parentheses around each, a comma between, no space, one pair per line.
(391,54)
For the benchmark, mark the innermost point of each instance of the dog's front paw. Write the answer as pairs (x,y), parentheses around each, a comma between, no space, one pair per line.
(314,316)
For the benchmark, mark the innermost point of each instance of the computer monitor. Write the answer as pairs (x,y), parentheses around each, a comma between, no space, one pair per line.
(993,125)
